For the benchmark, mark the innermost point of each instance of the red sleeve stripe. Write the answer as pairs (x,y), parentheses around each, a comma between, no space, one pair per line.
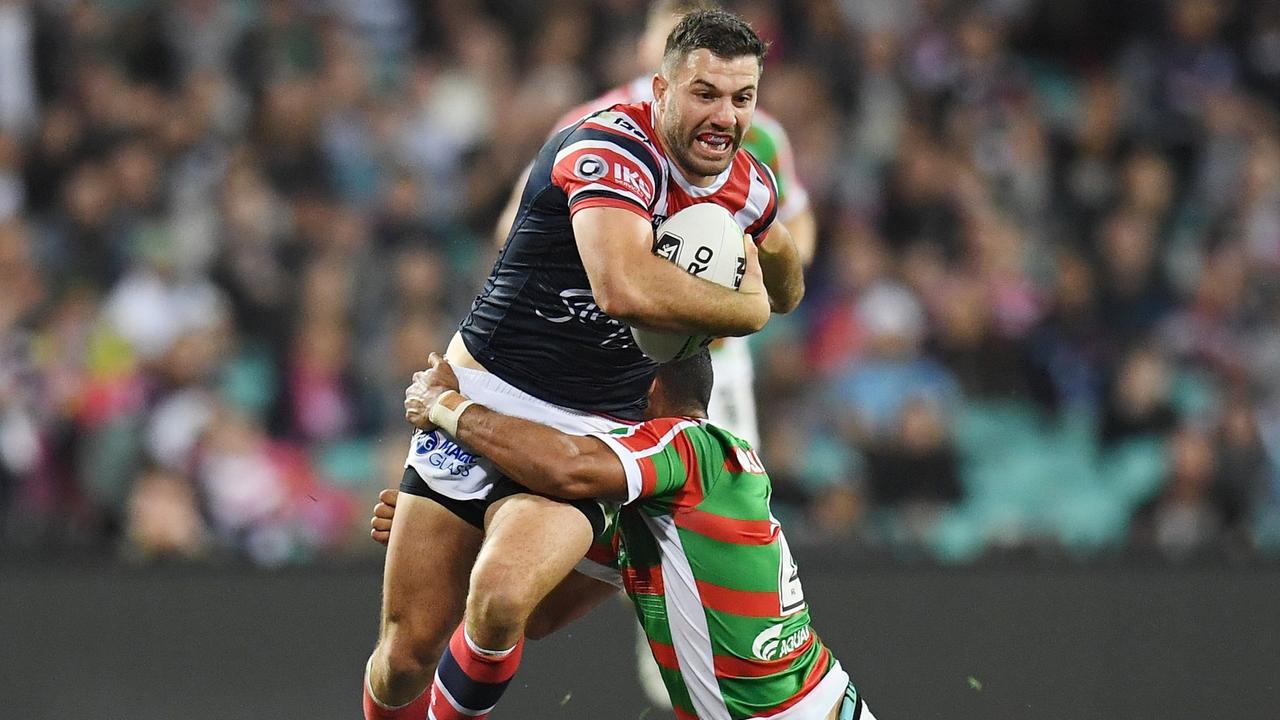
(653,436)
(728,666)
(609,147)
(613,202)
(611,189)
(691,492)
(648,478)
(727,530)
(743,603)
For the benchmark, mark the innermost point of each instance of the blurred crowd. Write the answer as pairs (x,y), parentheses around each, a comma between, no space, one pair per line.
(1044,315)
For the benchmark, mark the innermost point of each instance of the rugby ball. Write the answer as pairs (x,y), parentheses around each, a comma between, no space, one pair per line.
(704,240)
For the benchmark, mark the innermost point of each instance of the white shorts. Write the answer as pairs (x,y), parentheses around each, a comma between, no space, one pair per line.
(453,470)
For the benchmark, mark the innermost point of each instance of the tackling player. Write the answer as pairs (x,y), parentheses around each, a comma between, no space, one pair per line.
(704,562)
(547,339)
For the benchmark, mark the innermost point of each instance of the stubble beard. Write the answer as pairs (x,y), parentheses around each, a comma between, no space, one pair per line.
(682,152)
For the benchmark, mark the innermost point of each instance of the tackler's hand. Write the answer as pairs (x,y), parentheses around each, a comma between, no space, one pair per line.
(426,388)
(383,514)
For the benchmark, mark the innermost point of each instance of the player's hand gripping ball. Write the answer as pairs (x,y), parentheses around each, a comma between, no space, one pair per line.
(705,241)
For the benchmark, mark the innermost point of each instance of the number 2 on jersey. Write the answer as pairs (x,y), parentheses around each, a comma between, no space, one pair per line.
(790,594)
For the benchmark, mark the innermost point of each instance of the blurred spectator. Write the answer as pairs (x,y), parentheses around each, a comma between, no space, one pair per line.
(917,467)
(1139,401)
(18,108)
(164,517)
(871,393)
(1044,292)
(988,365)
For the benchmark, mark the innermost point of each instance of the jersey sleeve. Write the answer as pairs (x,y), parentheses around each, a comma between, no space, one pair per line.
(658,456)
(762,199)
(606,161)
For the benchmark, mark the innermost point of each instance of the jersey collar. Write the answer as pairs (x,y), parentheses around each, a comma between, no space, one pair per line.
(674,171)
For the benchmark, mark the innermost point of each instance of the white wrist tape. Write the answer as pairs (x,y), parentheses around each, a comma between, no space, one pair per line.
(443,417)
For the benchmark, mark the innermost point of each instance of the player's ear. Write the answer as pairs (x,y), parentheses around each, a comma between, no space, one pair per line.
(660,86)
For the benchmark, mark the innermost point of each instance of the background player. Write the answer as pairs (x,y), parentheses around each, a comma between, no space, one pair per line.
(546,339)
(706,565)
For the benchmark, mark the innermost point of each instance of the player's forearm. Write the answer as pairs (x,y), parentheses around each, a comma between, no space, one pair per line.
(804,233)
(664,298)
(783,270)
(539,457)
(635,286)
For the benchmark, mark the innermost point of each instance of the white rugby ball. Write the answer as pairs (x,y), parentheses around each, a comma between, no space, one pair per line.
(703,240)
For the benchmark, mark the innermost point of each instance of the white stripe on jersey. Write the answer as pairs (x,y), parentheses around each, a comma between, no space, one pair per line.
(602,145)
(630,459)
(635,483)
(610,189)
(665,440)
(694,190)
(757,200)
(660,208)
(687,619)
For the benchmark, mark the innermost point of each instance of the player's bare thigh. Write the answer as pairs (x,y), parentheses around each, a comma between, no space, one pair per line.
(424,586)
(531,544)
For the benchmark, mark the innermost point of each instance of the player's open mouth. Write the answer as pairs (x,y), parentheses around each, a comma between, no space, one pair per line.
(714,143)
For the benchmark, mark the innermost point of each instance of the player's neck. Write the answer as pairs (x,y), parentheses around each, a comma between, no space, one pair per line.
(695,180)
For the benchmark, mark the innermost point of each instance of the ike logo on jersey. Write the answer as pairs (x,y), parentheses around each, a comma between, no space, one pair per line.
(593,168)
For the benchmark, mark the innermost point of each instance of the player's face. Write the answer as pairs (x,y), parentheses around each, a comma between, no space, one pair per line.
(704,106)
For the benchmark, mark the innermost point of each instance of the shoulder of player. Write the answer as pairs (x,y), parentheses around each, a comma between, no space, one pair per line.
(625,121)
(613,129)
(660,433)
(590,107)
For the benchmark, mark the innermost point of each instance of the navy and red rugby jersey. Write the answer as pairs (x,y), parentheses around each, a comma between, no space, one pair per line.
(536,324)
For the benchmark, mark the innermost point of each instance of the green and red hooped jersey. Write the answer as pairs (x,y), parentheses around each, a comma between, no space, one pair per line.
(712,580)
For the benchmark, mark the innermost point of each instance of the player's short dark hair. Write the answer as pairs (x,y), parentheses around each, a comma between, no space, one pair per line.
(687,383)
(726,35)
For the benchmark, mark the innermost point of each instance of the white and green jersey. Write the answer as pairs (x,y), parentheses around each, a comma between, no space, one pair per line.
(712,580)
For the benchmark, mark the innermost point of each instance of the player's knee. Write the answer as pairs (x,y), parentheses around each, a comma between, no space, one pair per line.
(409,653)
(499,604)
